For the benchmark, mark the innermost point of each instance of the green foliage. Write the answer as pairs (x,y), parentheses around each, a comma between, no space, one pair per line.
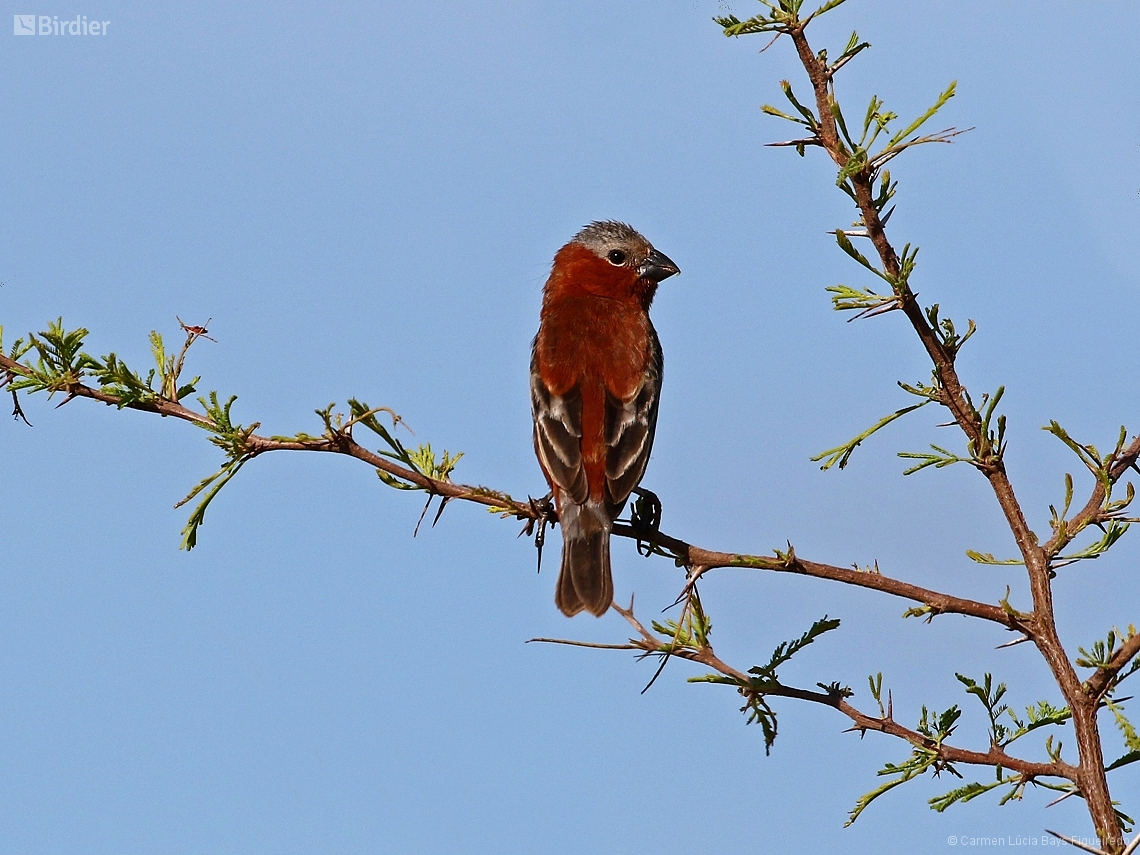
(947,335)
(860,155)
(1041,714)
(939,459)
(972,791)
(61,365)
(170,367)
(504,500)
(936,727)
(780,18)
(117,379)
(1110,534)
(690,633)
(1110,516)
(898,282)
(991,449)
(842,453)
(863,166)
(876,685)
(763,679)
(60,361)
(863,301)
(990,698)
(214,483)
(1127,729)
(233,440)
(983,455)
(988,558)
(1102,651)
(787,649)
(1096,463)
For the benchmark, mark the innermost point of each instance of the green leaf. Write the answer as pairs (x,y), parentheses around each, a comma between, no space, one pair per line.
(1125,760)
(921,120)
(842,453)
(1131,740)
(787,649)
(849,248)
(866,302)
(763,679)
(1112,533)
(987,558)
(963,794)
(940,459)
(990,698)
(919,762)
(219,479)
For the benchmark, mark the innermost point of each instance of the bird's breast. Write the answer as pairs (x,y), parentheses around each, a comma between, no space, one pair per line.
(593,340)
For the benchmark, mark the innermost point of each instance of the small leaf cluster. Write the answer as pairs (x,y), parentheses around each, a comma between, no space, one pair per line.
(688,635)
(764,681)
(936,728)
(421,459)
(781,17)
(62,365)
(984,453)
(1110,517)
(231,438)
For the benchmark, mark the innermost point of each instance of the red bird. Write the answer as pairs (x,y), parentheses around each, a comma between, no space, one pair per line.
(595,377)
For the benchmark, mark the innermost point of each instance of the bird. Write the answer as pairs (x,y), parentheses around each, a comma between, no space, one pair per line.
(595,384)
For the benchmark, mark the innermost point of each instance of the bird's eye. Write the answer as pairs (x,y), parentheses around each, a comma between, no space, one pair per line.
(616,256)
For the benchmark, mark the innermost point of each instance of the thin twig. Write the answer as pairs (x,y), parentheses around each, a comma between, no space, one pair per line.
(572,643)
(1074,842)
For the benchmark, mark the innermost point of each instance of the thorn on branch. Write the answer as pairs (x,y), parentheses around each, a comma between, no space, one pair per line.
(798,144)
(438,513)
(543,513)
(1013,643)
(774,39)
(592,644)
(1074,842)
(17,410)
(1060,799)
(423,513)
(693,574)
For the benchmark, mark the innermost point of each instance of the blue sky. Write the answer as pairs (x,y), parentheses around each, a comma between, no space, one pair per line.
(365,199)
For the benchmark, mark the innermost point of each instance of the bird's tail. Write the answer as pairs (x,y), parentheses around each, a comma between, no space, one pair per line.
(584,582)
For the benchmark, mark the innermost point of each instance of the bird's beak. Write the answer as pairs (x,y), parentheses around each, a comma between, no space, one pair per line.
(656,267)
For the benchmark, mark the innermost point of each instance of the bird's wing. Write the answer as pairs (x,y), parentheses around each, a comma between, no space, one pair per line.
(630,425)
(558,436)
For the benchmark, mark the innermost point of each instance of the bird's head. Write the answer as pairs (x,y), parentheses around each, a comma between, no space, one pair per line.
(611,259)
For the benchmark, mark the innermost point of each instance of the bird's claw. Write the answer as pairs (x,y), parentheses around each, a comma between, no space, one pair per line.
(645,519)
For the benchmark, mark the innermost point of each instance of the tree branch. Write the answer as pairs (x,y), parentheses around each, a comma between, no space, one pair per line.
(995,756)
(986,454)
(342,442)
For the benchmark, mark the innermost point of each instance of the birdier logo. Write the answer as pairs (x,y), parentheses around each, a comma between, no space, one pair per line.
(51,25)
